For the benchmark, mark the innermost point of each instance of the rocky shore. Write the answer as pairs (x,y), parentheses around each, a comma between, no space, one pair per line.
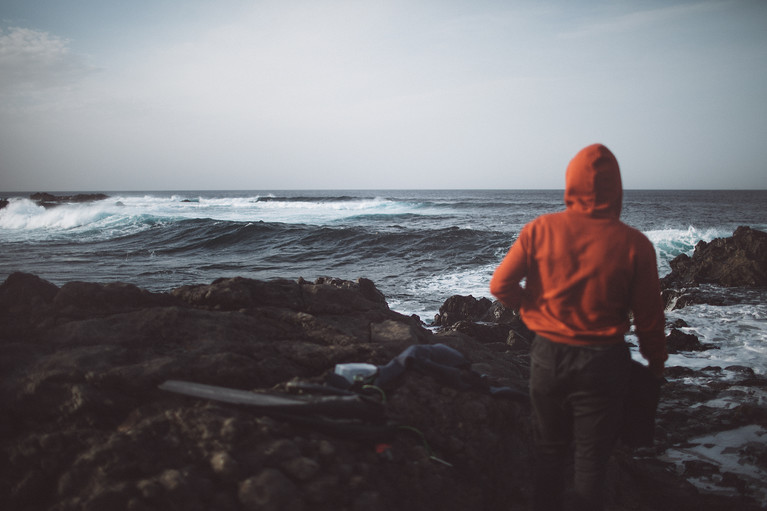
(86,426)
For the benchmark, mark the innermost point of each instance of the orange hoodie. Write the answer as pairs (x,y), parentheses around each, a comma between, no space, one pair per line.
(585,270)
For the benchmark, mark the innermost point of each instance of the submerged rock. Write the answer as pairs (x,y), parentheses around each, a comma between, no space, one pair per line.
(678,341)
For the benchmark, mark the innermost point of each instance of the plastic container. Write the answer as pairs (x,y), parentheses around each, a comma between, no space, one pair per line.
(357,372)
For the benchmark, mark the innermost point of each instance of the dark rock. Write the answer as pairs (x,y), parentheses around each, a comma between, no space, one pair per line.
(488,333)
(737,261)
(679,372)
(693,410)
(755,453)
(48,200)
(3,203)
(83,361)
(745,371)
(43,196)
(85,427)
(459,308)
(677,341)
(224,465)
(518,331)
(25,302)
(269,490)
(519,342)
(87,298)
(239,293)
(659,485)
(705,294)
(678,323)
(488,322)
(498,313)
(331,296)
(27,291)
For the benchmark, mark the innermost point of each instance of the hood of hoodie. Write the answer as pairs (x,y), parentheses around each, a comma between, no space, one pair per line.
(593,183)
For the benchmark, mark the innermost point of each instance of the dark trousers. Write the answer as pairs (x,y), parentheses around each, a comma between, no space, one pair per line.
(577,395)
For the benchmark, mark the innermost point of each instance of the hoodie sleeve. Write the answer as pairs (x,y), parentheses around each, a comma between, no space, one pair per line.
(505,284)
(647,307)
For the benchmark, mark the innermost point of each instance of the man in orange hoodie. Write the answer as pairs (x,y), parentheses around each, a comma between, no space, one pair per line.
(586,273)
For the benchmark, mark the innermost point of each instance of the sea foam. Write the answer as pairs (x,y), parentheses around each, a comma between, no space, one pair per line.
(24,214)
(738,332)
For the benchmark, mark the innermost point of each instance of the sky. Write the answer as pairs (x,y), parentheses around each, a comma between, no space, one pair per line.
(101,95)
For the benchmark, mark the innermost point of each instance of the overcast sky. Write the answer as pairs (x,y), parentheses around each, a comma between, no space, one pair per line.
(187,95)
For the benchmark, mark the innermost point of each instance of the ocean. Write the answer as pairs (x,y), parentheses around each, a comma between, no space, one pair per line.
(419,247)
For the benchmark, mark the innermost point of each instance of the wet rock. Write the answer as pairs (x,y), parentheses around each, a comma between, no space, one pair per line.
(369,501)
(707,294)
(678,323)
(49,200)
(488,322)
(498,313)
(301,468)
(84,361)
(270,490)
(239,293)
(85,426)
(396,333)
(458,308)
(224,465)
(678,341)
(737,261)
(325,488)
(754,453)
(487,333)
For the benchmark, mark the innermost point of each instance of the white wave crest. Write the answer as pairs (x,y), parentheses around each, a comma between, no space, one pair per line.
(254,209)
(24,214)
(23,219)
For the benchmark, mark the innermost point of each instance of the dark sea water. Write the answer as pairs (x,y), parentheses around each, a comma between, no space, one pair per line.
(419,247)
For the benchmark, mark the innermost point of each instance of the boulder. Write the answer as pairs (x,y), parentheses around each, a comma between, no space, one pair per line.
(458,308)
(678,341)
(486,321)
(737,261)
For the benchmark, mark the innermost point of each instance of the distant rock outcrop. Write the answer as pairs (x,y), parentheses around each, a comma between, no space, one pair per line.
(737,261)
(49,200)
